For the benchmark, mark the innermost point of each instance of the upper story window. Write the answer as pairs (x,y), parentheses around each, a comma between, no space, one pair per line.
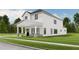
(36,16)
(25,17)
(55,22)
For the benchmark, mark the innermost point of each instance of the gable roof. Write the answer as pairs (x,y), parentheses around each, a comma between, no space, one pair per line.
(40,10)
(26,12)
(19,22)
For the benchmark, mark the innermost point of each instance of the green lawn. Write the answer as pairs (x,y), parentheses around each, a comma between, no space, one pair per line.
(12,35)
(72,38)
(38,45)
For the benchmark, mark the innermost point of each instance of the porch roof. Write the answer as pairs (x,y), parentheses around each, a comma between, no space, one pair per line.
(29,23)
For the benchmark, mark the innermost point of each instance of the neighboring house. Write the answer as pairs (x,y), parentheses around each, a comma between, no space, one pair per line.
(41,23)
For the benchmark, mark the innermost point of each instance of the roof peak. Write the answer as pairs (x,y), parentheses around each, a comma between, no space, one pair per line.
(39,10)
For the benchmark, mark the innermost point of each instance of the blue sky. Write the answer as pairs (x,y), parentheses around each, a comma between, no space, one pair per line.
(64,12)
(15,13)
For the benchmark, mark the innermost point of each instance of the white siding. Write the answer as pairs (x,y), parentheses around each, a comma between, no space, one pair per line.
(28,16)
(48,23)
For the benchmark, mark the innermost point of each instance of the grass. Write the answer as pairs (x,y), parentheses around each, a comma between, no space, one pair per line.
(71,38)
(38,45)
(12,35)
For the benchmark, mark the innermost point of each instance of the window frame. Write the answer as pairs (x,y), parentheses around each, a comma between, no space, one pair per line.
(55,31)
(33,30)
(38,31)
(36,16)
(60,30)
(44,31)
(55,21)
(26,17)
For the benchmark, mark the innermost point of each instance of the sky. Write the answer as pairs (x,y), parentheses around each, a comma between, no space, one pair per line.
(15,13)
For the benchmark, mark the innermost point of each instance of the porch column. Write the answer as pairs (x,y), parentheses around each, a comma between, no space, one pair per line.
(29,31)
(35,31)
(25,31)
(21,30)
(18,31)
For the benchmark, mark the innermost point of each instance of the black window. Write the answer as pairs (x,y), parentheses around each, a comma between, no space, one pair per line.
(55,31)
(44,30)
(55,22)
(25,17)
(19,29)
(36,16)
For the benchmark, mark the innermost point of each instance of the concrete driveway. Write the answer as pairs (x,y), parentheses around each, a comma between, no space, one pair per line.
(6,46)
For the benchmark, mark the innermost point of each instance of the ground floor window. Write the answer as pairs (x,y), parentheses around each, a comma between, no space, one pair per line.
(55,31)
(65,30)
(23,29)
(38,30)
(60,30)
(44,30)
(19,29)
(32,30)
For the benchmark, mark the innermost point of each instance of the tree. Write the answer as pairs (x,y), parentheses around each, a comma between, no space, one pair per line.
(17,20)
(76,18)
(73,27)
(3,27)
(0,18)
(0,22)
(13,28)
(4,24)
(66,23)
(6,21)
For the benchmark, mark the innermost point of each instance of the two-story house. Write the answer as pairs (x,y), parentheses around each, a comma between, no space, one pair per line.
(40,23)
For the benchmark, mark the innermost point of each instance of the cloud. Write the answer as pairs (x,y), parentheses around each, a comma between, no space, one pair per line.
(12,14)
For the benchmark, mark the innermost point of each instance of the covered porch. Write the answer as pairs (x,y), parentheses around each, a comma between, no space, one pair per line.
(29,29)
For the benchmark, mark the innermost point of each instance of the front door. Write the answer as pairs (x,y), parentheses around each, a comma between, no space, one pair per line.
(27,32)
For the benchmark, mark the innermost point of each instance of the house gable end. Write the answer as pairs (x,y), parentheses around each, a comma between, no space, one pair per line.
(40,10)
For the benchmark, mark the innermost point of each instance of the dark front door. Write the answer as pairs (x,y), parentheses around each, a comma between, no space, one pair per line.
(27,32)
